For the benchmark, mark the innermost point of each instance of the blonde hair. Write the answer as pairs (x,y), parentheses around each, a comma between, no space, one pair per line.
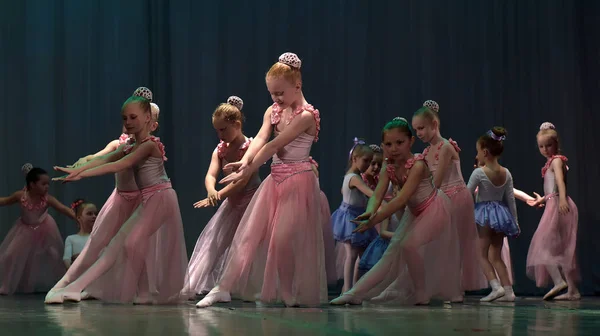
(228,112)
(278,70)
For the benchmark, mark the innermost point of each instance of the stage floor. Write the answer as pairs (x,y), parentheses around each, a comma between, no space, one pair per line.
(28,315)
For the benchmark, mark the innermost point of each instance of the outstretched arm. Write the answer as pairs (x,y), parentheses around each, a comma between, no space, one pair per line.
(143,151)
(358,183)
(380,191)
(110,147)
(12,199)
(520,195)
(53,202)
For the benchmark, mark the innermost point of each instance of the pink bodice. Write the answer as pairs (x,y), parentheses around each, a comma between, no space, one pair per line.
(151,171)
(33,214)
(453,178)
(425,190)
(298,150)
(124,180)
(549,176)
(222,151)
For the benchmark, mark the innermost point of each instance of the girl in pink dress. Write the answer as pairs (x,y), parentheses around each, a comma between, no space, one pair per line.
(123,272)
(31,253)
(495,212)
(277,253)
(124,199)
(444,161)
(421,261)
(552,253)
(212,247)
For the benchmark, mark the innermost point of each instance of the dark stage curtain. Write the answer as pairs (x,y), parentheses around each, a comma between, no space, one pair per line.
(67,66)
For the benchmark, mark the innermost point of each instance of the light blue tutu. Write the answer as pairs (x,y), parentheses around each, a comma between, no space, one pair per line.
(497,216)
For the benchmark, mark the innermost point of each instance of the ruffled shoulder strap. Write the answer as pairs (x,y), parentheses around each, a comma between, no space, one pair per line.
(411,162)
(154,139)
(26,201)
(221,149)
(276,116)
(455,145)
(549,162)
(124,138)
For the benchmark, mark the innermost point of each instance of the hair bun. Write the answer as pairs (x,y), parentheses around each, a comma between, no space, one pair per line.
(499,131)
(401,119)
(290,59)
(546,126)
(236,101)
(143,92)
(155,110)
(375,148)
(26,168)
(432,105)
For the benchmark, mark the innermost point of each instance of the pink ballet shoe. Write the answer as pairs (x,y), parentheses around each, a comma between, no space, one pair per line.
(568,297)
(86,296)
(345,299)
(212,298)
(72,296)
(54,296)
(554,291)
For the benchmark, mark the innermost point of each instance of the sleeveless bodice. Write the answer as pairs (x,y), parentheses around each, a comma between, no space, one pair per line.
(425,190)
(298,150)
(33,214)
(222,150)
(352,196)
(453,177)
(549,176)
(150,171)
(124,180)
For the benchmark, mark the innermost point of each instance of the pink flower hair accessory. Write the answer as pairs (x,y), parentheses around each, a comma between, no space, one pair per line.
(236,101)
(291,59)
(432,105)
(143,92)
(547,126)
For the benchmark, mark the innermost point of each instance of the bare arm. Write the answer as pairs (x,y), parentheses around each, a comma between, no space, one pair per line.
(110,147)
(143,151)
(53,202)
(261,138)
(408,189)
(557,166)
(380,191)
(210,181)
(445,158)
(233,188)
(12,199)
(358,183)
(383,230)
(522,195)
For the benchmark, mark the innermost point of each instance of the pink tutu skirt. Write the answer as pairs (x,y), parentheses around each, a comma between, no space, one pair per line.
(31,257)
(278,252)
(328,241)
(463,210)
(554,243)
(212,248)
(117,208)
(435,240)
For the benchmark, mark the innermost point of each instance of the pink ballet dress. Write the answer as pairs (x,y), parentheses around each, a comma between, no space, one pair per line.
(463,209)
(426,237)
(277,253)
(555,240)
(128,270)
(212,248)
(31,253)
(118,207)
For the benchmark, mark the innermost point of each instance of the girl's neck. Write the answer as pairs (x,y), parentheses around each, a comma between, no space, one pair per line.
(402,161)
(437,138)
(141,136)
(492,163)
(238,141)
(34,196)
(83,233)
(353,170)
(298,102)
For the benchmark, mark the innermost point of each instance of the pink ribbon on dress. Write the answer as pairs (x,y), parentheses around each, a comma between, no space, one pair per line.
(154,189)
(453,190)
(282,171)
(129,195)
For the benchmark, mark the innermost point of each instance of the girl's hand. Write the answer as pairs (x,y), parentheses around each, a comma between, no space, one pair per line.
(365,216)
(235,167)
(205,203)
(238,176)
(65,169)
(68,178)
(213,198)
(363,225)
(563,207)
(538,202)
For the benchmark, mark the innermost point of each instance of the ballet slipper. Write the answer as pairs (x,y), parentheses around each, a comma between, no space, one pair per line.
(54,296)
(507,298)
(72,296)
(212,298)
(494,295)
(86,296)
(345,299)
(568,297)
(554,291)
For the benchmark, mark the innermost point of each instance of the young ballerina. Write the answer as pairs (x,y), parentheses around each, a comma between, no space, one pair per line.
(277,253)
(124,273)
(86,216)
(495,212)
(355,193)
(421,261)
(124,199)
(552,252)
(212,247)
(31,253)
(371,175)
(443,159)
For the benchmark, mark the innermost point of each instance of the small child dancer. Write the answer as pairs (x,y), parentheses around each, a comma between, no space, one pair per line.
(495,212)
(444,161)
(86,216)
(212,247)
(123,273)
(421,261)
(552,253)
(31,253)
(354,202)
(371,175)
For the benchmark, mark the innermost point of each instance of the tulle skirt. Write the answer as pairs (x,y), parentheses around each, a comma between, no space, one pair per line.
(464,221)
(31,257)
(343,227)
(328,241)
(497,216)
(278,252)
(117,208)
(554,243)
(428,240)
(212,248)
